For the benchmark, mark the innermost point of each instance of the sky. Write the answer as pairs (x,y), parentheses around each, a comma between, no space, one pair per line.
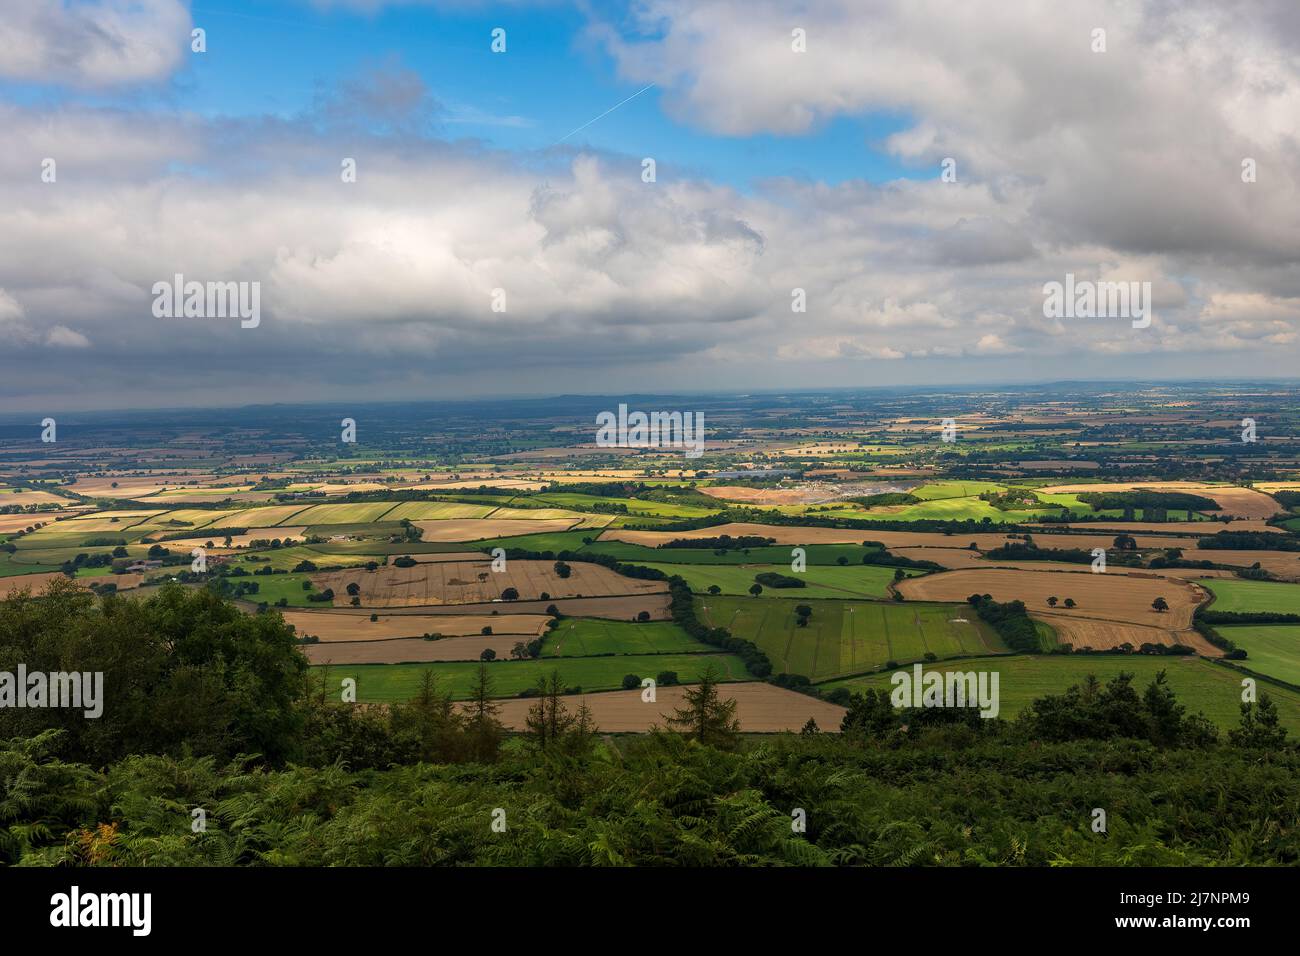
(844,193)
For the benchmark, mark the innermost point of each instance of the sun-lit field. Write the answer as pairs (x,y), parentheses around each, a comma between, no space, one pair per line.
(1212,689)
(849,637)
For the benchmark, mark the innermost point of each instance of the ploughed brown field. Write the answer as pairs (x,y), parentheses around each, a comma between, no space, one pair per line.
(1237,502)
(957,558)
(341,625)
(1283,564)
(948,557)
(471,582)
(1173,527)
(798,534)
(1086,542)
(1192,574)
(10,523)
(476,529)
(1122,598)
(1103,635)
(435,556)
(763,496)
(411,650)
(784,534)
(218,538)
(34,498)
(133,486)
(9,586)
(617,608)
(760,708)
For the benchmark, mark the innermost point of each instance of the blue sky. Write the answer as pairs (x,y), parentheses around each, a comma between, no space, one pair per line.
(275,56)
(783,244)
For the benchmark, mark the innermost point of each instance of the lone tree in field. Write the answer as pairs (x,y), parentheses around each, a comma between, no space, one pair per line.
(1160,604)
(1069,602)
(804,612)
(756,589)
(705,717)
(1051,601)
(510,594)
(488,654)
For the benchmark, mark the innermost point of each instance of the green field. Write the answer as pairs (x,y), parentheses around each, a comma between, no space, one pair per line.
(436,510)
(819,554)
(1212,689)
(1271,649)
(259,517)
(556,541)
(54,557)
(361,513)
(183,519)
(1231,594)
(586,637)
(939,490)
(45,540)
(286,559)
(639,521)
(397,682)
(848,637)
(272,587)
(959,501)
(634,506)
(823,582)
(9,569)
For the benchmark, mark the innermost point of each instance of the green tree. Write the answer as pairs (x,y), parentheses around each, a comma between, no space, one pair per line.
(548,719)
(1259,726)
(483,727)
(705,716)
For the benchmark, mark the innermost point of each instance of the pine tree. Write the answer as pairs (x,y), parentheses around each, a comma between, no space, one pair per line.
(549,719)
(706,717)
(1259,726)
(484,728)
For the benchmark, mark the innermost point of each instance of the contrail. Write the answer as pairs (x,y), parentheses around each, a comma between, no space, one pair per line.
(602,115)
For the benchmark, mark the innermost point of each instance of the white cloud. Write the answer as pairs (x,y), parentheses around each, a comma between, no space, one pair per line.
(61,336)
(93,43)
(1125,168)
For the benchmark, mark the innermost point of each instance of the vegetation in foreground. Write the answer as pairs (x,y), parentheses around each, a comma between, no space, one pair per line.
(285,775)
